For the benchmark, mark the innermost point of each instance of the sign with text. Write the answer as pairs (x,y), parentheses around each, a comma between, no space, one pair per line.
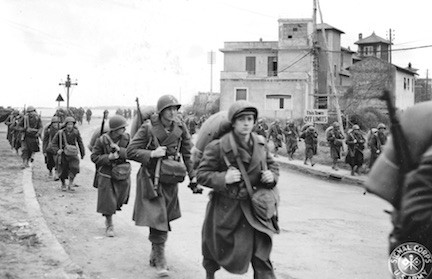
(319,116)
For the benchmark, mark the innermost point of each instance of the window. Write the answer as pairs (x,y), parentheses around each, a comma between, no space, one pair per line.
(295,29)
(405,83)
(250,65)
(408,82)
(279,102)
(272,66)
(241,94)
(321,102)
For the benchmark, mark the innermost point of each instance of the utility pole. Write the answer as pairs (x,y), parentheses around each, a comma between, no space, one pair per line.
(68,84)
(332,81)
(211,60)
(390,46)
(315,64)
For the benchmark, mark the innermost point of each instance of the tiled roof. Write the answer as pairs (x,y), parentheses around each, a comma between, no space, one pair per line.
(328,27)
(371,40)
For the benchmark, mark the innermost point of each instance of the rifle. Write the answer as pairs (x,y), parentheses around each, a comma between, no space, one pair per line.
(402,152)
(139,112)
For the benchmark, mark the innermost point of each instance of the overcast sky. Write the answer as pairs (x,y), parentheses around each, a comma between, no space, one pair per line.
(120,49)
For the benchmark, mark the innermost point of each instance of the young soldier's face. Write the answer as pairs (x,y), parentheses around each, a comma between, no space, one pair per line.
(69,126)
(170,113)
(244,124)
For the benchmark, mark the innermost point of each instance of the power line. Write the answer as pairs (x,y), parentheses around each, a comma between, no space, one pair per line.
(292,64)
(393,50)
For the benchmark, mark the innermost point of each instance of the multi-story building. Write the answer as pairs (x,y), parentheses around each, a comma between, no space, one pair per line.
(423,90)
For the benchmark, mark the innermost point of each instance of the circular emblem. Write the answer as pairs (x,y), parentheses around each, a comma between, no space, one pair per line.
(410,260)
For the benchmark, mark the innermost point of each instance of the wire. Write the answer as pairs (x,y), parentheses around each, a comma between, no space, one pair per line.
(292,64)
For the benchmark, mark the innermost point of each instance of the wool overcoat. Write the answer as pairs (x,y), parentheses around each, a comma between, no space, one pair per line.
(112,194)
(226,238)
(159,211)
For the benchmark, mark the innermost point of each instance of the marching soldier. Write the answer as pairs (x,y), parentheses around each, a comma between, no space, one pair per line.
(260,129)
(277,136)
(67,143)
(156,146)
(113,171)
(31,129)
(355,142)
(335,137)
(9,123)
(50,155)
(310,136)
(291,138)
(233,235)
(88,115)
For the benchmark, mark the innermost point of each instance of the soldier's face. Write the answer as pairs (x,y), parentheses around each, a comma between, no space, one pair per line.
(170,113)
(69,126)
(244,124)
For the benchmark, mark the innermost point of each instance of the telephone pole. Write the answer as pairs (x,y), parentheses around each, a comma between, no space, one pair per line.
(68,84)
(211,61)
(391,43)
(315,64)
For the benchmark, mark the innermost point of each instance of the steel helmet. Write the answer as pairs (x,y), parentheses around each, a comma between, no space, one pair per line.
(335,124)
(31,108)
(55,119)
(116,122)
(239,108)
(70,119)
(381,125)
(356,127)
(167,101)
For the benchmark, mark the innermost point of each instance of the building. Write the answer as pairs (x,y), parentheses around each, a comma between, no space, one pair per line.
(423,90)
(374,46)
(372,75)
(273,75)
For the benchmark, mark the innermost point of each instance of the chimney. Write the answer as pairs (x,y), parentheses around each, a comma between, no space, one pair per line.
(409,65)
(260,39)
(360,36)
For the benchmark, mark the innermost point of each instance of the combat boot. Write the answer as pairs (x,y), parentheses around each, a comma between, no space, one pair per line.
(63,185)
(71,184)
(160,261)
(109,226)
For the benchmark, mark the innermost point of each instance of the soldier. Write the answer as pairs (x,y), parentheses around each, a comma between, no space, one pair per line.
(88,115)
(156,146)
(31,129)
(259,128)
(50,155)
(291,137)
(335,137)
(233,236)
(355,142)
(9,121)
(277,136)
(67,143)
(310,137)
(113,172)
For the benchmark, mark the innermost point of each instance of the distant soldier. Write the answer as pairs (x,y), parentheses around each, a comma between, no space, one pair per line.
(310,136)
(376,142)
(277,136)
(113,171)
(355,142)
(88,115)
(31,129)
(158,143)
(260,129)
(9,121)
(335,138)
(67,143)
(47,149)
(291,138)
(192,124)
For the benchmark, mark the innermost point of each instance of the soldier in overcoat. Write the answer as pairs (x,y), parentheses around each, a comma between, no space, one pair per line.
(291,138)
(9,121)
(232,235)
(108,152)
(156,208)
(355,142)
(50,155)
(31,129)
(310,136)
(68,166)
(277,136)
(334,138)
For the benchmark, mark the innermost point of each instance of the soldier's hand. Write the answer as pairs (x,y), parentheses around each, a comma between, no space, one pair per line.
(113,156)
(158,152)
(232,175)
(267,176)
(115,147)
(60,151)
(355,141)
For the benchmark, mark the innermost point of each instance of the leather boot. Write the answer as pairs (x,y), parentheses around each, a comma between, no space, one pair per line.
(160,261)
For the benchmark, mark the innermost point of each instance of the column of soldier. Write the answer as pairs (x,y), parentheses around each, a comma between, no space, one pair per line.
(163,146)
(356,142)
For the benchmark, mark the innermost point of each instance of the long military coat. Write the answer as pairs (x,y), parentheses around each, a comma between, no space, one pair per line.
(228,229)
(112,194)
(69,164)
(158,212)
(354,156)
(334,138)
(30,140)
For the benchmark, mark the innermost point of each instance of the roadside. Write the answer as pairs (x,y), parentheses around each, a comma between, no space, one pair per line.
(27,247)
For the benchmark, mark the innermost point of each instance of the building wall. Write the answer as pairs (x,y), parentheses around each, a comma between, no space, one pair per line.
(404,90)
(258,92)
